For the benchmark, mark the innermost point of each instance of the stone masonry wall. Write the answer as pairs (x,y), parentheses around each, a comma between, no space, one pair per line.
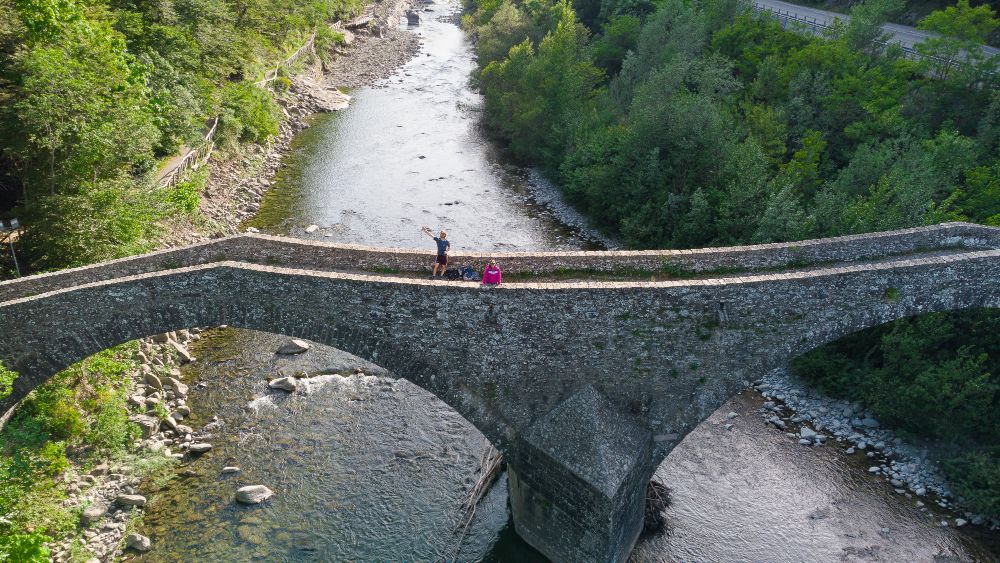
(627,362)
(669,351)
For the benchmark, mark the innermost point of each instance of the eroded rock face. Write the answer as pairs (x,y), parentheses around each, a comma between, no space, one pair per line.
(253,494)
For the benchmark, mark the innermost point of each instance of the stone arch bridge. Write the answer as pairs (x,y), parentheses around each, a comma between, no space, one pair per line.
(586,371)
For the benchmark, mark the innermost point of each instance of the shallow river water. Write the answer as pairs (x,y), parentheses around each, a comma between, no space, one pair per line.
(366,467)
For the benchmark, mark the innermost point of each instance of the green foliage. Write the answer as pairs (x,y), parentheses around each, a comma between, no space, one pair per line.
(24,548)
(94,94)
(7,378)
(973,477)
(717,126)
(185,197)
(248,114)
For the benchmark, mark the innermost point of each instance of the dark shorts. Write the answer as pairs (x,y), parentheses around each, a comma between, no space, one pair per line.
(442,259)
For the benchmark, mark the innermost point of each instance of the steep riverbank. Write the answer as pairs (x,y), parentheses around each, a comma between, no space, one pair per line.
(238,180)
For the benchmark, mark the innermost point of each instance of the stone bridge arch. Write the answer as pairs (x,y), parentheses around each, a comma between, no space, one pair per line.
(585,385)
(49,341)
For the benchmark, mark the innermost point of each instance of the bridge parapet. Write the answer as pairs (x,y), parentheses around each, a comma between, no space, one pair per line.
(323,256)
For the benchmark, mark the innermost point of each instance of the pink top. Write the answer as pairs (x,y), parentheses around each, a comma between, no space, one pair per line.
(492,275)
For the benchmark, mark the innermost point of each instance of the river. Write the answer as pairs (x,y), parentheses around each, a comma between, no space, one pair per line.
(369,468)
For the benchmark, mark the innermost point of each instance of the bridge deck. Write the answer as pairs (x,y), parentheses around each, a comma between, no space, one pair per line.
(945,240)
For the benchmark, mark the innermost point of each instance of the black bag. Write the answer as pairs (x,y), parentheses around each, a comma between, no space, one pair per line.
(452,274)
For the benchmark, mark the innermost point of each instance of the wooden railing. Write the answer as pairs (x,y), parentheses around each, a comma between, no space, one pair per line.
(198,156)
(192,160)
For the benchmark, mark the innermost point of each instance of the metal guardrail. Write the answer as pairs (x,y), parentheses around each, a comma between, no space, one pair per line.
(817,26)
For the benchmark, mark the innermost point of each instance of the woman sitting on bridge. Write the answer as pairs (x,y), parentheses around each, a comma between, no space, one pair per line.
(492,275)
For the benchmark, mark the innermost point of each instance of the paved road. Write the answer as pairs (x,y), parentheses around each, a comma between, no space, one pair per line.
(904,35)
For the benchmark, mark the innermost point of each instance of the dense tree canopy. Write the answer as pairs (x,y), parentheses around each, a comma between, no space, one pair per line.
(94,94)
(701,123)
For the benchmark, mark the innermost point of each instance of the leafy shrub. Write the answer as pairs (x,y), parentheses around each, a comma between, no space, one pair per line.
(53,458)
(7,378)
(974,477)
(248,114)
(26,548)
(185,197)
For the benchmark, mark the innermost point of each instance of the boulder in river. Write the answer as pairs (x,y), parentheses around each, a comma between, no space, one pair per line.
(199,447)
(182,352)
(312,229)
(294,346)
(138,542)
(180,389)
(253,494)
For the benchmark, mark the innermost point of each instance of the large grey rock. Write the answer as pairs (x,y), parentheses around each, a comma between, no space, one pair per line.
(182,352)
(138,542)
(294,346)
(148,424)
(199,447)
(807,433)
(152,380)
(284,383)
(253,494)
(131,500)
(180,389)
(93,513)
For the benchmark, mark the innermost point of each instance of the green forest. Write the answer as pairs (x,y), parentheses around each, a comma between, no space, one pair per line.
(95,94)
(677,124)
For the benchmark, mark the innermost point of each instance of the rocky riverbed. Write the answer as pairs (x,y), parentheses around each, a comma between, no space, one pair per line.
(108,495)
(815,420)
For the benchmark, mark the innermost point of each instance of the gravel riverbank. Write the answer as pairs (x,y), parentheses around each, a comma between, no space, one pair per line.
(107,496)
(814,420)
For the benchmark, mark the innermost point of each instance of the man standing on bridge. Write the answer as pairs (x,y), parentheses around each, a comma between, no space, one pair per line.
(442,247)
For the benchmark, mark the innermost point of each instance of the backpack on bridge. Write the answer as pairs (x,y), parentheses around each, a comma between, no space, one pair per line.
(452,274)
(469,274)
